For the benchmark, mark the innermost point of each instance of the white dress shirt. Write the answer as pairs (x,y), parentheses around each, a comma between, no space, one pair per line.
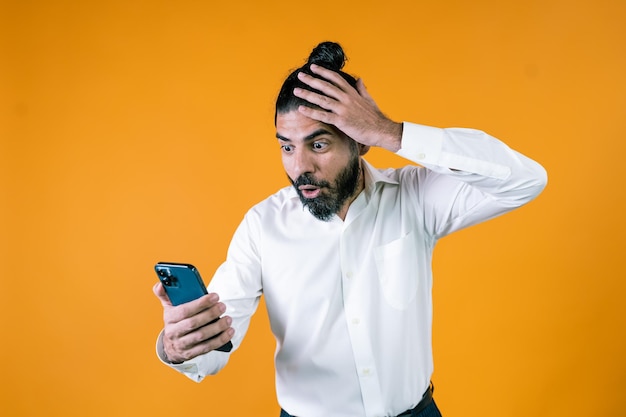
(349,302)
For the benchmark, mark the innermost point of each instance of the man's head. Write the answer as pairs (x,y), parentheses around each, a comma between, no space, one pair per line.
(322,163)
(329,55)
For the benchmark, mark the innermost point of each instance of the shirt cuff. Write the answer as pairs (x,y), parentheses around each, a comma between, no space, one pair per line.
(421,144)
(424,145)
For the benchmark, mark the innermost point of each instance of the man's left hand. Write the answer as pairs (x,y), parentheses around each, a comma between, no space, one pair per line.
(353,111)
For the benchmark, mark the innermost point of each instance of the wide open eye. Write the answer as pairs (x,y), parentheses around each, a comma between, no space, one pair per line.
(319,146)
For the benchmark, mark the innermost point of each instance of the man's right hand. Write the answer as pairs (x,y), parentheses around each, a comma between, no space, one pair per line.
(187,332)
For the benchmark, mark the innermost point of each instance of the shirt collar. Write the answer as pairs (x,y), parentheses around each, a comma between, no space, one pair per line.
(374,176)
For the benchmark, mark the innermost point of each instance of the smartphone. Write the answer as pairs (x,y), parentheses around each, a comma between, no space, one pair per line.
(183,283)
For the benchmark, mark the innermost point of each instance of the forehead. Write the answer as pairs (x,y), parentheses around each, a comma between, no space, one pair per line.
(297,127)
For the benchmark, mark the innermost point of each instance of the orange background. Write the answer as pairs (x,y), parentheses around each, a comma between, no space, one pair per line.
(141,131)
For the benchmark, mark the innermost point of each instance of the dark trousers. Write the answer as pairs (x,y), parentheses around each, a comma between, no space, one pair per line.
(430,411)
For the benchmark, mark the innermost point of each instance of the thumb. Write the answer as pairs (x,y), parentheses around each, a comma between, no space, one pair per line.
(159,291)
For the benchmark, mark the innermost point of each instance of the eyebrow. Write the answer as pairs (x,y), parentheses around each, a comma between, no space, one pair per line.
(307,138)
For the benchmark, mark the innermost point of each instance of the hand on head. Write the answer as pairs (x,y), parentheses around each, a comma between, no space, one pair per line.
(353,111)
(322,91)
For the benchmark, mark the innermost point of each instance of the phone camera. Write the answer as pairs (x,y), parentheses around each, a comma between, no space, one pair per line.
(166,277)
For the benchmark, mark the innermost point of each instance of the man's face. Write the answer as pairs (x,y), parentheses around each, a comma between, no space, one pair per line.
(321,162)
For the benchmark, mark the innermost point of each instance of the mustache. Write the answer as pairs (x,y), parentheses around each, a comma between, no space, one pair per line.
(308,179)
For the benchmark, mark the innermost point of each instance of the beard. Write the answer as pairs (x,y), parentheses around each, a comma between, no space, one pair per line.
(332,196)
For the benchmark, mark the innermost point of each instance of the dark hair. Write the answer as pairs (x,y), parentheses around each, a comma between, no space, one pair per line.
(329,55)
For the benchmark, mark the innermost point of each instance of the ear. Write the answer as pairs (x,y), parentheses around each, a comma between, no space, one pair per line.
(363,149)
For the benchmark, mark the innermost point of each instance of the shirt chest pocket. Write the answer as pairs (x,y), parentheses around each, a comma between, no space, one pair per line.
(398,270)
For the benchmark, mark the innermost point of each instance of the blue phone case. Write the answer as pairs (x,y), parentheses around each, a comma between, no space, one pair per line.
(183,283)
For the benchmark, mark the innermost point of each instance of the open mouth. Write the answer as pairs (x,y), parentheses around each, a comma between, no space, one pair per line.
(309,191)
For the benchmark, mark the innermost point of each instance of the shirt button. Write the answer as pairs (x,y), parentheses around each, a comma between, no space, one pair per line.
(356,321)
(421,155)
(366,371)
(349,275)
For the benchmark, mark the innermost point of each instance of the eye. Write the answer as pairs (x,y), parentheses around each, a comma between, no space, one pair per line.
(286,148)
(319,146)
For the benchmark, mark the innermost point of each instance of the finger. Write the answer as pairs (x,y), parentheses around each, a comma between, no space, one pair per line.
(322,101)
(203,340)
(221,339)
(319,84)
(216,331)
(334,77)
(192,308)
(319,115)
(177,352)
(159,291)
(182,323)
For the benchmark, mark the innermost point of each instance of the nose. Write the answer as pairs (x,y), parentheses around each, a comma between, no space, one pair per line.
(301,163)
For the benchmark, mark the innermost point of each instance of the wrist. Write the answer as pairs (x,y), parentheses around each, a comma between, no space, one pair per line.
(392,137)
(161,351)
(167,359)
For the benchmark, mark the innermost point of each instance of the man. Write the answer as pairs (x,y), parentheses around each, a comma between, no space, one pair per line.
(347,280)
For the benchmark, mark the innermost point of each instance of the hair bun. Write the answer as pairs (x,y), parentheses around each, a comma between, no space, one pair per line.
(328,55)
